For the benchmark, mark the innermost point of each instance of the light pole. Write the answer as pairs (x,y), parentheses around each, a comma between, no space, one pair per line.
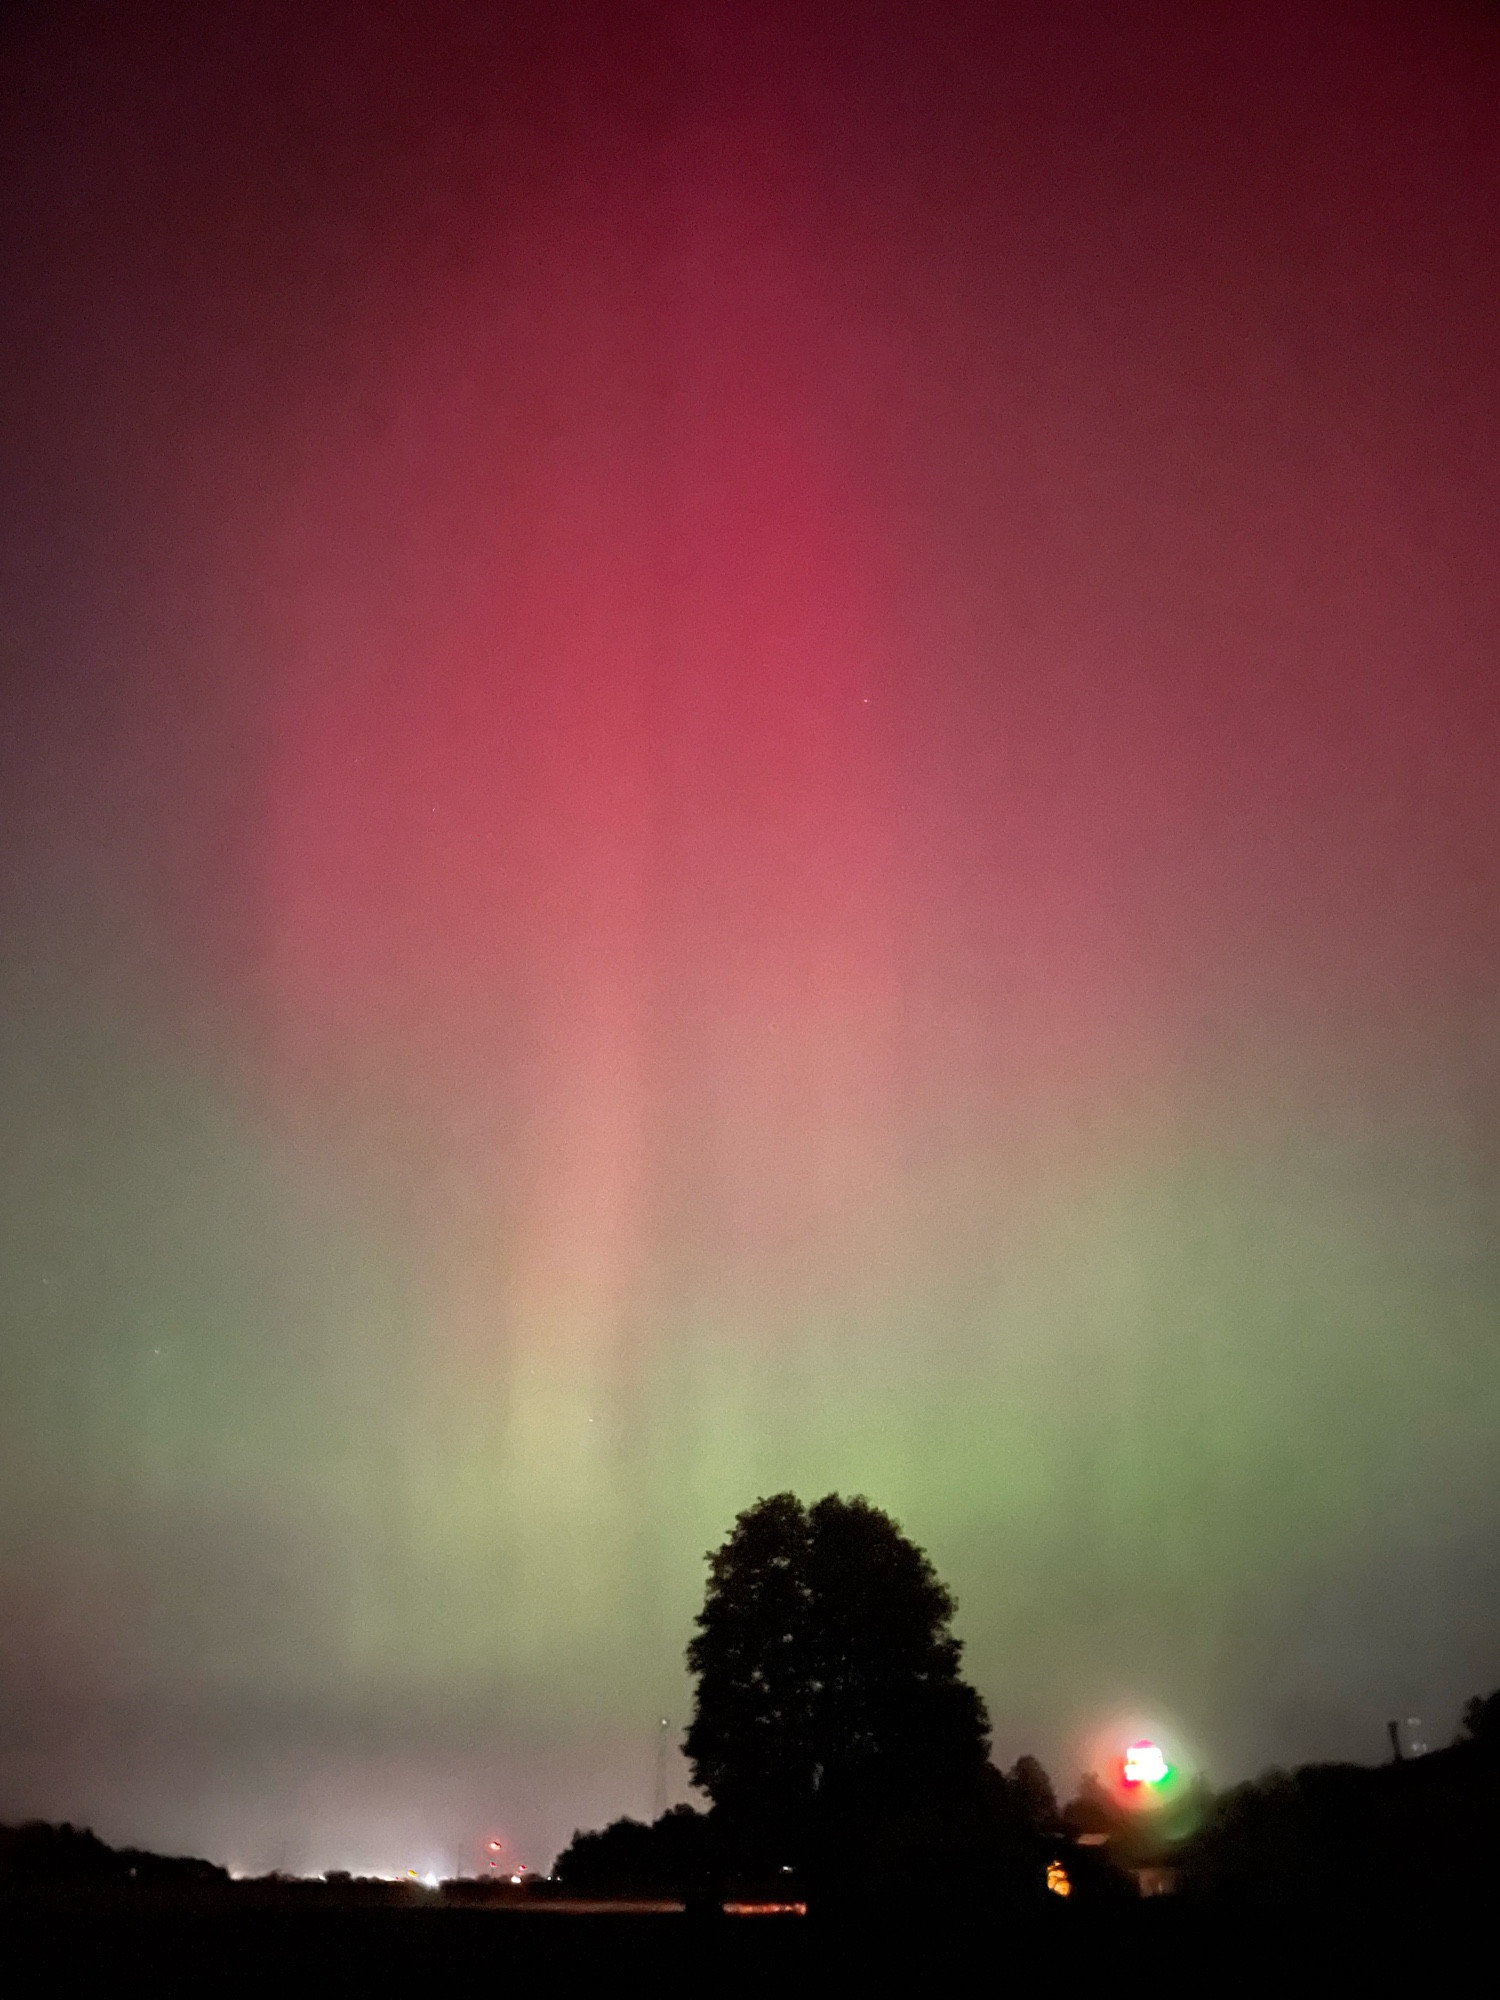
(659,1795)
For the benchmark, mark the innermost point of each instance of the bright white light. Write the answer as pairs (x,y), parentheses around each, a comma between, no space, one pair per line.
(1145,1764)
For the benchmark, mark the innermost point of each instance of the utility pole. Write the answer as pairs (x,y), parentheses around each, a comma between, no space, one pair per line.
(659,1796)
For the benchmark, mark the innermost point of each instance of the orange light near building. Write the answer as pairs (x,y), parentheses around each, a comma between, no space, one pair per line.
(1057,1879)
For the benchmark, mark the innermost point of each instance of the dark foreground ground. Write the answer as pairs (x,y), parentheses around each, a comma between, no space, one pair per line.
(1162,1946)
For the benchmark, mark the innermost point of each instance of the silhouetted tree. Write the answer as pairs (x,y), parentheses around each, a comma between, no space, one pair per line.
(1424,1829)
(1092,1810)
(751,1742)
(832,1727)
(674,1856)
(39,1851)
(1035,1796)
(1481,1722)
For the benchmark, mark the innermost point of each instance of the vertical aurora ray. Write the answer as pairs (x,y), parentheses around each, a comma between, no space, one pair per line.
(752,751)
(627,850)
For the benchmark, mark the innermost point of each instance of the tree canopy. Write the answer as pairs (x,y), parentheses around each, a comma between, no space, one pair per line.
(828,1683)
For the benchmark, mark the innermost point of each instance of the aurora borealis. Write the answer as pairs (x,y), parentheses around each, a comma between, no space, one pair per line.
(744,747)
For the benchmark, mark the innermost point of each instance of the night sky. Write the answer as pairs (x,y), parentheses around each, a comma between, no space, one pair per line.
(744,746)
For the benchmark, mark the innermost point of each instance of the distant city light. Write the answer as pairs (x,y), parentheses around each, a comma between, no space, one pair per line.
(1145,1765)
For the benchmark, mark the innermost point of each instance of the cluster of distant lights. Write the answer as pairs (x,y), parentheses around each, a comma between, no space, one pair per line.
(496,1849)
(430,1879)
(424,1878)
(1144,1768)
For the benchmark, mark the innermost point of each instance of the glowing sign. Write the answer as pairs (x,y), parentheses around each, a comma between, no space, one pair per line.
(1145,1765)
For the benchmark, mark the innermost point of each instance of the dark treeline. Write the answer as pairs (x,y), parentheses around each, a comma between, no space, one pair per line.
(845,1761)
(1426,1827)
(846,1765)
(39,1853)
(1423,1827)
